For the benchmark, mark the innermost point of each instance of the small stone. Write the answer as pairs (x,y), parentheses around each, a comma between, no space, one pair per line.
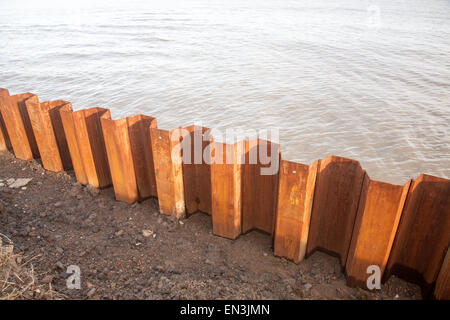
(181,222)
(58,204)
(265,254)
(20,182)
(59,250)
(89,285)
(10,181)
(60,265)
(19,260)
(24,188)
(147,233)
(2,184)
(120,233)
(307,286)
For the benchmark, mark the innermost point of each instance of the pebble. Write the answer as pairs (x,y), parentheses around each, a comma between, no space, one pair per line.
(60,265)
(147,233)
(20,182)
(307,286)
(58,204)
(119,233)
(60,250)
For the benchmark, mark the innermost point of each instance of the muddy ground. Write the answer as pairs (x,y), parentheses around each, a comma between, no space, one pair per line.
(57,223)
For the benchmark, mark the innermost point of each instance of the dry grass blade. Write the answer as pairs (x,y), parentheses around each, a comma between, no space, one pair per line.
(19,281)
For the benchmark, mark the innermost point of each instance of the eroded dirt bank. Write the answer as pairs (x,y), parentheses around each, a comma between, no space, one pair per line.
(57,223)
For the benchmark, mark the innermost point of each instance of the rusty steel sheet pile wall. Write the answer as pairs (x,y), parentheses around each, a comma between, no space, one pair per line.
(18,125)
(5,142)
(128,147)
(260,185)
(166,148)
(423,234)
(380,207)
(226,188)
(330,205)
(295,200)
(336,197)
(121,165)
(197,169)
(87,146)
(442,288)
(49,133)
(141,149)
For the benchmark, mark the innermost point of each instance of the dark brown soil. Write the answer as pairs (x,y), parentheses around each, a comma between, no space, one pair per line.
(58,223)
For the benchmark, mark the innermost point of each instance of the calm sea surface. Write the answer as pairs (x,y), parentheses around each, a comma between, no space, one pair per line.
(369,80)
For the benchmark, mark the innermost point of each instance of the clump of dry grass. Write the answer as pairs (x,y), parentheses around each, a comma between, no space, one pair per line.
(18,279)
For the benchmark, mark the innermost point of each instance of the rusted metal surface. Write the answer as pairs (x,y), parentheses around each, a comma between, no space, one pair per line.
(226,188)
(120,159)
(50,137)
(87,146)
(295,199)
(167,160)
(379,212)
(423,234)
(141,150)
(260,189)
(338,188)
(5,143)
(129,151)
(442,288)
(18,125)
(330,205)
(197,169)
(72,142)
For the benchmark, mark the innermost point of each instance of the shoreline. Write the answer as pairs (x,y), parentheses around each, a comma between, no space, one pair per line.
(69,224)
